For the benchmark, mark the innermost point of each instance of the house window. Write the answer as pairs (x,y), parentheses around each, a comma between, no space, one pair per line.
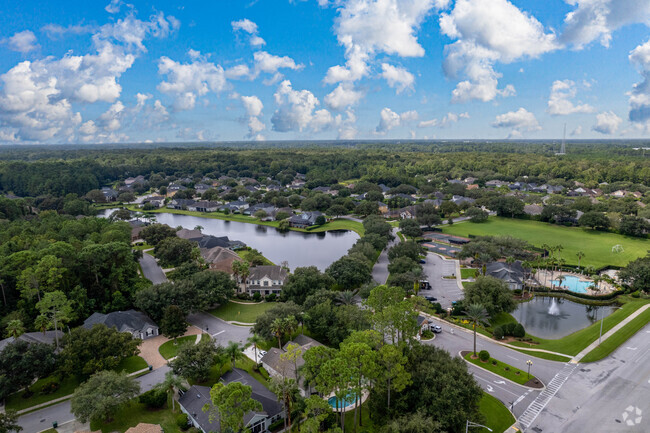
(266,282)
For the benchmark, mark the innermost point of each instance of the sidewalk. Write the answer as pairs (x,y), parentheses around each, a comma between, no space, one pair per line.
(608,334)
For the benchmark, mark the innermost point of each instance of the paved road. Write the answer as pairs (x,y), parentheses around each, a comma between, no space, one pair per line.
(380,270)
(446,290)
(151,270)
(42,419)
(611,395)
(222,332)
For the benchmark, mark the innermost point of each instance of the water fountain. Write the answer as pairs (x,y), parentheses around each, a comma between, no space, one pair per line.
(554,309)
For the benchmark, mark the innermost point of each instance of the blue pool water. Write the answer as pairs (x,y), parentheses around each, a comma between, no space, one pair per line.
(347,401)
(574,284)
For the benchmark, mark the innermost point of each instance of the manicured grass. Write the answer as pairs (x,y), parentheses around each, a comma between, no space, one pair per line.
(613,342)
(572,344)
(245,313)
(401,236)
(133,414)
(132,364)
(468,273)
(499,369)
(144,246)
(337,224)
(544,355)
(246,255)
(169,349)
(66,387)
(497,416)
(596,245)
(501,319)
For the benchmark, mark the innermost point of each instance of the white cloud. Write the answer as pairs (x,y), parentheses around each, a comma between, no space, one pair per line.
(518,121)
(343,96)
(131,31)
(347,128)
(487,32)
(397,77)
(269,63)
(607,123)
(447,119)
(640,94)
(55,31)
(188,81)
(428,123)
(114,6)
(559,102)
(577,131)
(253,106)
(297,111)
(110,119)
(249,27)
(597,19)
(388,119)
(23,42)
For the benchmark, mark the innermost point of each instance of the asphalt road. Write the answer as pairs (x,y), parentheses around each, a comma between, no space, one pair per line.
(445,290)
(151,270)
(222,332)
(380,270)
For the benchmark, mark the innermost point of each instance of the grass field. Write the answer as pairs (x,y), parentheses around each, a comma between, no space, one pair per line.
(613,342)
(132,364)
(245,313)
(245,254)
(497,416)
(572,344)
(468,273)
(135,413)
(499,369)
(169,349)
(66,387)
(596,245)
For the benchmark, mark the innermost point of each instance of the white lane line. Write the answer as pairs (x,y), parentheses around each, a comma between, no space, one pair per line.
(219,333)
(513,357)
(496,386)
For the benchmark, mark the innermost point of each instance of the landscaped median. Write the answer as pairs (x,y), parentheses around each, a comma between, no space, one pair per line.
(169,349)
(504,370)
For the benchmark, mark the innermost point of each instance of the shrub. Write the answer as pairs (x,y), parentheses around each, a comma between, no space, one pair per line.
(427,335)
(519,331)
(498,332)
(257,297)
(438,308)
(154,399)
(636,294)
(243,296)
(484,355)
(50,388)
(517,292)
(276,425)
(494,362)
(182,421)
(271,298)
(509,328)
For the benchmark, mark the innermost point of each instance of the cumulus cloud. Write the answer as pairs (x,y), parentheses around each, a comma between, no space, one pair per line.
(114,6)
(188,81)
(344,95)
(607,123)
(388,119)
(55,31)
(519,121)
(347,127)
(297,111)
(487,32)
(253,106)
(264,63)
(397,77)
(640,94)
(597,19)
(249,27)
(447,120)
(559,102)
(23,42)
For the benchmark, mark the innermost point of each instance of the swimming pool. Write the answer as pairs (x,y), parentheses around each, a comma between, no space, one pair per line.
(347,401)
(574,284)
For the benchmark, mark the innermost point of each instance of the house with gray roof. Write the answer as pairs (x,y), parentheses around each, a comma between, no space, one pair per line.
(196,398)
(134,322)
(276,366)
(511,274)
(47,337)
(266,280)
(305,219)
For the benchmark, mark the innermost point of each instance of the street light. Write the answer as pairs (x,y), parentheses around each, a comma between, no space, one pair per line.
(529,362)
(473,424)
(602,318)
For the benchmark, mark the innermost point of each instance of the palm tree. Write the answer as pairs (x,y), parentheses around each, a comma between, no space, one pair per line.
(476,313)
(560,279)
(41,323)
(277,329)
(199,228)
(15,328)
(234,351)
(171,384)
(255,341)
(559,249)
(580,255)
(286,390)
(345,298)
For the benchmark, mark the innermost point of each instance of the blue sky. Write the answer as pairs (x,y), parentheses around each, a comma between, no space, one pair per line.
(133,71)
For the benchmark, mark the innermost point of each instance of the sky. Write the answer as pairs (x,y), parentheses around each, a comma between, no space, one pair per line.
(221,70)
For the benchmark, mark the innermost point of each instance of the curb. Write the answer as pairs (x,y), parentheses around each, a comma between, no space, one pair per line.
(504,378)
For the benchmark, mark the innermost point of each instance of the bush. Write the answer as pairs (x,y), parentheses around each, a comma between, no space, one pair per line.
(484,355)
(498,333)
(517,292)
(257,297)
(427,335)
(494,362)
(50,388)
(154,399)
(636,294)
(519,331)
(276,425)
(182,421)
(509,328)
(437,308)
(271,298)
(243,296)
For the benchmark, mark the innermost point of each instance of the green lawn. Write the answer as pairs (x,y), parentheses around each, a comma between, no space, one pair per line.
(572,344)
(613,342)
(245,313)
(134,413)
(368,425)
(169,349)
(468,273)
(132,364)
(596,245)
(497,416)
(245,254)
(499,369)
(501,319)
(66,387)
(544,355)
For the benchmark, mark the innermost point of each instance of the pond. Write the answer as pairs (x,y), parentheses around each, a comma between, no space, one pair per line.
(553,318)
(297,248)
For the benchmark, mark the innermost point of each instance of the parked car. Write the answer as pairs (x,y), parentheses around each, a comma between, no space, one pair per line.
(262,353)
(436,328)
(431,298)
(422,261)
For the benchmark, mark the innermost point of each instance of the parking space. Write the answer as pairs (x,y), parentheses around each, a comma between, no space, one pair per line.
(445,290)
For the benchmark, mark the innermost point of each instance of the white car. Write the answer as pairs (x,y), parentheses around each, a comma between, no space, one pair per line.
(262,353)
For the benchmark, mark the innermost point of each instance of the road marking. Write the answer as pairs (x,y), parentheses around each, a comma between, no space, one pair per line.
(631,348)
(521,397)
(632,415)
(490,389)
(496,386)
(219,333)
(513,357)
(500,382)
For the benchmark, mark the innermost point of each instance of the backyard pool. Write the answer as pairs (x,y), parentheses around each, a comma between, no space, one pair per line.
(347,401)
(573,283)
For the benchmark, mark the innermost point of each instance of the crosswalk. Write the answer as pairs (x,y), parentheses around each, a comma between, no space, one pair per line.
(528,417)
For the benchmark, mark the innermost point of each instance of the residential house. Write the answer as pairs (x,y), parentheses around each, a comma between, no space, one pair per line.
(296,184)
(220,258)
(423,324)
(533,209)
(511,274)
(383,208)
(436,202)
(459,199)
(204,206)
(276,366)
(209,241)
(266,207)
(201,187)
(305,219)
(181,203)
(190,235)
(495,183)
(138,180)
(134,322)
(236,206)
(194,399)
(136,227)
(384,188)
(156,200)
(174,188)
(47,337)
(266,280)
(109,194)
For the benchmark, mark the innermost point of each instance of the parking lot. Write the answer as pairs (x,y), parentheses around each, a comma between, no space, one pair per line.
(445,290)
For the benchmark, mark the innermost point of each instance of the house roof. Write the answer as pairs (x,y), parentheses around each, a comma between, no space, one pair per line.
(533,209)
(209,241)
(273,357)
(271,272)
(305,217)
(46,337)
(124,321)
(270,404)
(144,427)
(189,234)
(513,273)
(219,254)
(193,401)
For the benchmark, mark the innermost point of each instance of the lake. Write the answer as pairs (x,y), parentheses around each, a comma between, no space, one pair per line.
(297,248)
(552,318)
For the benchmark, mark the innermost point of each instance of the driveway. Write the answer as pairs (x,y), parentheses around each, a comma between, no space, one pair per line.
(446,290)
(149,348)
(151,270)
(220,331)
